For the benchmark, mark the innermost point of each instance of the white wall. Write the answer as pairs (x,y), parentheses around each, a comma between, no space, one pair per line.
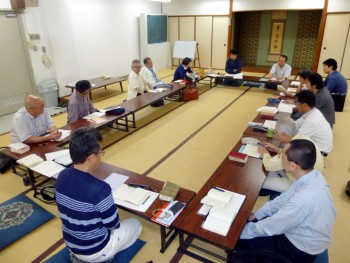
(5,5)
(87,38)
(338,6)
(248,5)
(197,7)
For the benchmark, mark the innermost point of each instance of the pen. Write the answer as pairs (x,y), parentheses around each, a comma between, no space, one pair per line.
(144,202)
(280,175)
(216,188)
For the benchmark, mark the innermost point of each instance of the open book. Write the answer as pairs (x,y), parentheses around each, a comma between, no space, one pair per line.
(217,197)
(134,195)
(220,220)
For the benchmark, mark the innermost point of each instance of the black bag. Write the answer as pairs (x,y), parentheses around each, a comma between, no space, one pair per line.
(5,163)
(47,194)
(158,103)
(116,111)
(347,188)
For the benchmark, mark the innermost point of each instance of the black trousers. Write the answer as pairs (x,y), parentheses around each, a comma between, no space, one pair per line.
(276,247)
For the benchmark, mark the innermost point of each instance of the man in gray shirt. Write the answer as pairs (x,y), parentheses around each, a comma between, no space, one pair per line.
(324,100)
(80,104)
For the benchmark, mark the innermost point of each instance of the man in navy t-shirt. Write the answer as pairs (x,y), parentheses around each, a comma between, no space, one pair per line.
(91,226)
(335,82)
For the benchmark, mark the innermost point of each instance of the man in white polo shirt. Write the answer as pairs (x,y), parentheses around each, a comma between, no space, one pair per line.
(280,70)
(137,81)
(313,123)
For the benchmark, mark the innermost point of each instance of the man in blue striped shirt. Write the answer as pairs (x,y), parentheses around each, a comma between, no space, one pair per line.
(298,224)
(91,226)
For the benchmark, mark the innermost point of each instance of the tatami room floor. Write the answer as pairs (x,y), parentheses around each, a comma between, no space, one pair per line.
(198,135)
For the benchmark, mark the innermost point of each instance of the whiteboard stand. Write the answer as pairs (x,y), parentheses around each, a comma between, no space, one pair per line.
(184,49)
(196,58)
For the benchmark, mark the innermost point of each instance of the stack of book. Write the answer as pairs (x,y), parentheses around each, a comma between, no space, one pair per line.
(225,205)
(238,157)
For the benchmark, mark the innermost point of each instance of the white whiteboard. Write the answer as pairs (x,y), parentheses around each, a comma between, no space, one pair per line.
(184,49)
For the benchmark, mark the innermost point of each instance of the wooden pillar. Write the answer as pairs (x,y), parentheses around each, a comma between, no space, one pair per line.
(320,36)
(229,33)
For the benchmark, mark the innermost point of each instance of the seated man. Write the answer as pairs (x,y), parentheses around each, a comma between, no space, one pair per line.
(150,73)
(137,81)
(324,100)
(298,224)
(183,71)
(80,104)
(313,124)
(303,76)
(233,66)
(32,122)
(90,221)
(277,181)
(335,82)
(281,70)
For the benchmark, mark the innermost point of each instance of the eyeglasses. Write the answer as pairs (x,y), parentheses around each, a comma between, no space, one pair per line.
(38,108)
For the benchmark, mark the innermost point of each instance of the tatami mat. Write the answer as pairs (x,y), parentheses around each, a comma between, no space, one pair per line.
(193,158)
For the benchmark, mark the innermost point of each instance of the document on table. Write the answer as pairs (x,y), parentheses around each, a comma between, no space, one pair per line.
(49,169)
(250,150)
(115,180)
(268,109)
(295,83)
(65,134)
(270,124)
(235,76)
(94,115)
(286,106)
(30,160)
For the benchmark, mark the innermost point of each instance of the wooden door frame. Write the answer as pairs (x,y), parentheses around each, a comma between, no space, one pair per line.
(20,20)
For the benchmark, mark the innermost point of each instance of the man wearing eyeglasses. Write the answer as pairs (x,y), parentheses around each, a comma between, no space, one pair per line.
(80,104)
(298,224)
(92,229)
(137,81)
(32,122)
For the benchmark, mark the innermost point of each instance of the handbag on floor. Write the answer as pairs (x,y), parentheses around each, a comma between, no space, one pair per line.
(190,93)
(347,188)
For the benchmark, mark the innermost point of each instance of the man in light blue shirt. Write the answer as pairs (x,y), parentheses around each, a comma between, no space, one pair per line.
(298,224)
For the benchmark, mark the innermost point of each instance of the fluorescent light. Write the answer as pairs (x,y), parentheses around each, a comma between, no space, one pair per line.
(165,1)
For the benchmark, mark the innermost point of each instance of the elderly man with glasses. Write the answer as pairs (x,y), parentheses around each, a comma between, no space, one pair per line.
(80,104)
(277,180)
(137,81)
(32,122)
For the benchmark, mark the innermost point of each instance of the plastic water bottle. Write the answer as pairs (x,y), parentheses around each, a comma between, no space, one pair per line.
(193,77)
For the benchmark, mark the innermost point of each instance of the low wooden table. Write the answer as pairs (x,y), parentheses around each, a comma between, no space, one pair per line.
(101,82)
(145,100)
(246,179)
(245,78)
(185,196)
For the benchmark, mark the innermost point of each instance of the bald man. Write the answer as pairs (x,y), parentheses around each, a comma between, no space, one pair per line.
(32,122)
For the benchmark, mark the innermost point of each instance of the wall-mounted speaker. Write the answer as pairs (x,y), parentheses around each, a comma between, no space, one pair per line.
(18,5)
